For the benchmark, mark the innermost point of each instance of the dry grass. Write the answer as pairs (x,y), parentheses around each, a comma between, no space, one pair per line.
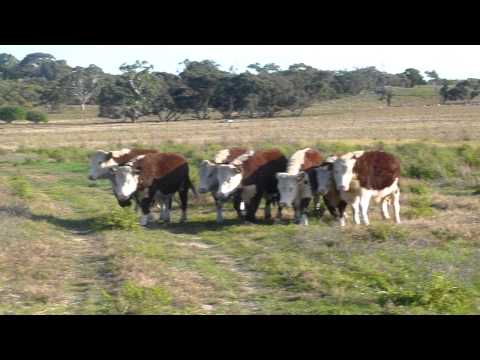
(367,120)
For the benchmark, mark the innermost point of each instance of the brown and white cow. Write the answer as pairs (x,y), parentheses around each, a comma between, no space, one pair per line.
(361,175)
(209,180)
(295,186)
(102,161)
(253,173)
(156,176)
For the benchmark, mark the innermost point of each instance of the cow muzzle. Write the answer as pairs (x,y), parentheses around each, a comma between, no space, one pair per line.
(124,203)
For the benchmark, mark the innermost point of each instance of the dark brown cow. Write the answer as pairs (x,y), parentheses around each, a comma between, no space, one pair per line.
(254,173)
(154,176)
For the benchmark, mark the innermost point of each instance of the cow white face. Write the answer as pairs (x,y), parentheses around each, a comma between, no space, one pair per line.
(208,177)
(324,175)
(343,170)
(288,187)
(229,179)
(100,164)
(125,181)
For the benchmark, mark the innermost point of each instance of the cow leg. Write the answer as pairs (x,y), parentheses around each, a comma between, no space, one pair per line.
(145,205)
(278,217)
(364,202)
(167,206)
(341,210)
(268,207)
(252,206)
(319,209)
(356,210)
(331,209)
(238,204)
(396,205)
(384,205)
(219,209)
(304,206)
(183,194)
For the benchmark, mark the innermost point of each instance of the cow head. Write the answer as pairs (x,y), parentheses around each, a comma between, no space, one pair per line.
(288,187)
(208,177)
(343,169)
(324,175)
(229,179)
(125,182)
(100,163)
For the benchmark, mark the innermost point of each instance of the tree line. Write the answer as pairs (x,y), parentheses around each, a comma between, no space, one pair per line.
(200,88)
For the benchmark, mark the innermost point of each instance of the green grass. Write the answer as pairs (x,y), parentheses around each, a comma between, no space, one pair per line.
(109,265)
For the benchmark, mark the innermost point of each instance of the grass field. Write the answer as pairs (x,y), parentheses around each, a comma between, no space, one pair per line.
(67,248)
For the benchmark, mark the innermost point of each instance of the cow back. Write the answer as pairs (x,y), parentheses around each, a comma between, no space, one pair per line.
(226,156)
(123,158)
(376,170)
(261,167)
(155,166)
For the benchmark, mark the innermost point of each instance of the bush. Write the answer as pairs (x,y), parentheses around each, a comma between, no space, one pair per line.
(117,219)
(420,206)
(37,116)
(12,113)
(385,232)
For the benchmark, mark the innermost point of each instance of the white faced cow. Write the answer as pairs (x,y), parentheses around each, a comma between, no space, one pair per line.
(156,176)
(254,174)
(209,179)
(295,186)
(361,175)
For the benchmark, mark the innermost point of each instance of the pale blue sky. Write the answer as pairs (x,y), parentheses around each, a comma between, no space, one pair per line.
(450,61)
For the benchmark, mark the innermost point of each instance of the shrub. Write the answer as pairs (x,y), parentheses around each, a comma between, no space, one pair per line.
(384,232)
(420,206)
(419,189)
(21,187)
(121,219)
(37,116)
(12,113)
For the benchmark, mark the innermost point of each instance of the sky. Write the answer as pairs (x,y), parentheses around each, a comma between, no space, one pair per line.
(450,61)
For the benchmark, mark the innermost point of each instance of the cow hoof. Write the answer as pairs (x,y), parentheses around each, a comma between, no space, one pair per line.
(144,220)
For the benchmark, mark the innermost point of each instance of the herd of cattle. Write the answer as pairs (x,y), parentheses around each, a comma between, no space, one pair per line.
(149,177)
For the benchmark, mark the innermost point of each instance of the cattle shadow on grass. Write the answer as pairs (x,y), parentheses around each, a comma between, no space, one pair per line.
(197,226)
(84,226)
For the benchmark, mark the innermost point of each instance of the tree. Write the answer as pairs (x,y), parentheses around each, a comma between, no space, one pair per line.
(444,92)
(434,78)
(82,84)
(132,94)
(202,77)
(414,76)
(7,63)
